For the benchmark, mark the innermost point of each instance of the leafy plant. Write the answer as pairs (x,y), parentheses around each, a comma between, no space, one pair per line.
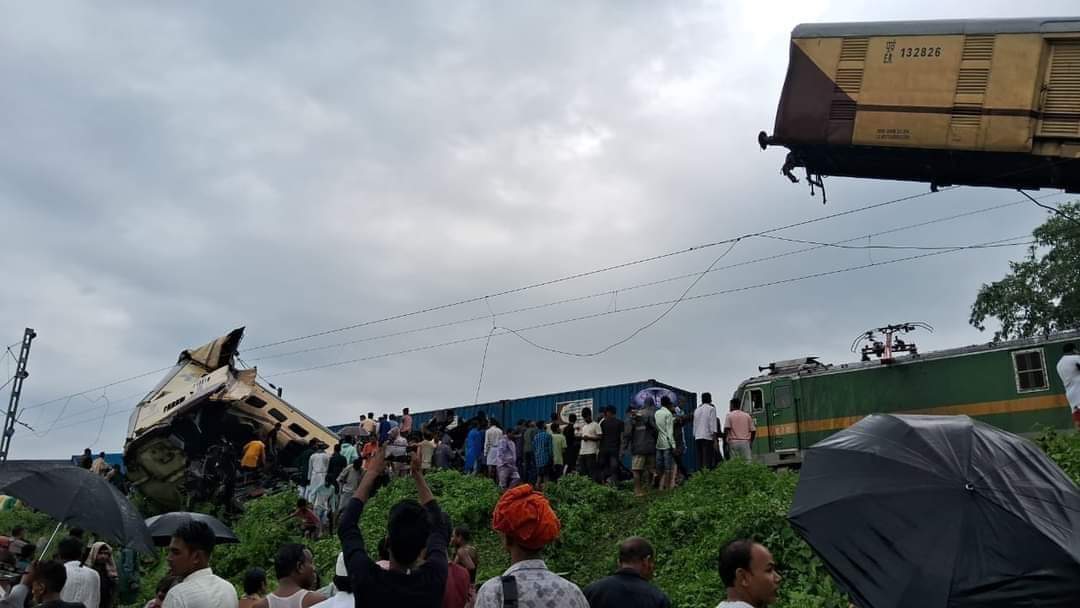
(1041,293)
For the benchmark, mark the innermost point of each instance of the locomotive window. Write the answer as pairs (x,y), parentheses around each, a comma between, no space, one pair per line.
(254,401)
(1030,368)
(782,396)
(753,400)
(299,430)
(278,415)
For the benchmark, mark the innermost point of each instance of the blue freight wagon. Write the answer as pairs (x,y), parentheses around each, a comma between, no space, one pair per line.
(541,407)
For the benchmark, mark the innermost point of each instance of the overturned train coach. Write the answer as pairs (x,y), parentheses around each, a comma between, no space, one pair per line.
(966,102)
(201,403)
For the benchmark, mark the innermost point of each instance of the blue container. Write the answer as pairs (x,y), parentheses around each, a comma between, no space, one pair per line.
(541,407)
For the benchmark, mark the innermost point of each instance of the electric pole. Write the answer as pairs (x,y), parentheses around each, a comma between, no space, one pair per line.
(16,390)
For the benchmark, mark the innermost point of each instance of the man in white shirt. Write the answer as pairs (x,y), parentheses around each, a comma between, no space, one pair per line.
(317,468)
(343,595)
(189,559)
(1068,368)
(749,573)
(491,441)
(590,444)
(83,584)
(705,433)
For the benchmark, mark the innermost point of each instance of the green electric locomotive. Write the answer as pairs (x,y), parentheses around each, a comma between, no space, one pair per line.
(1010,384)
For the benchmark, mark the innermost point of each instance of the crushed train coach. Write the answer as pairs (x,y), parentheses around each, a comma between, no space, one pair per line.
(203,408)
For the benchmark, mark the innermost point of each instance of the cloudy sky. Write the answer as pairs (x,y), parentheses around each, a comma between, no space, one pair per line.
(168,173)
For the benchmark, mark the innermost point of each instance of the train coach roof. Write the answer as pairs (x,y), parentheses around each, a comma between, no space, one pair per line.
(1037,25)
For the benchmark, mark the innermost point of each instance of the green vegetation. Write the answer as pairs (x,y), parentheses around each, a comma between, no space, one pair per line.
(686,526)
(1041,293)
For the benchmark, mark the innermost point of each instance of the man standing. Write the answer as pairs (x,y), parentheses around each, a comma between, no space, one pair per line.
(189,559)
(528,450)
(474,448)
(542,447)
(295,569)
(506,471)
(491,441)
(573,443)
(370,425)
(749,573)
(629,587)
(414,528)
(641,439)
(100,466)
(443,453)
(665,443)
(348,450)
(317,468)
(558,448)
(303,463)
(1068,369)
(83,584)
(739,431)
(337,464)
(611,434)
(590,444)
(705,433)
(406,422)
(525,521)
(384,428)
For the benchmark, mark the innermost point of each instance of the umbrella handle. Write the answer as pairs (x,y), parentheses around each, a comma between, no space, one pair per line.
(51,539)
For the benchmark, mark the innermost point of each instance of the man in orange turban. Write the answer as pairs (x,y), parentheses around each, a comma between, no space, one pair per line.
(526,522)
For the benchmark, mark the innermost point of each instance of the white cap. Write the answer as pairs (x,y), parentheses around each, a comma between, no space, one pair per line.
(341,570)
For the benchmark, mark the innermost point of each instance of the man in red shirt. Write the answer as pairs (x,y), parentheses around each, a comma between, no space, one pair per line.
(459,589)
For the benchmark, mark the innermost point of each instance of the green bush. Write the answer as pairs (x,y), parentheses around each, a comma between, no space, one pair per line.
(1063,448)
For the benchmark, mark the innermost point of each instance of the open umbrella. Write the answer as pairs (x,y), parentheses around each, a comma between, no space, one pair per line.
(162,527)
(76,498)
(928,511)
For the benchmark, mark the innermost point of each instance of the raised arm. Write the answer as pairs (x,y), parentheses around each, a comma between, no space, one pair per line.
(416,468)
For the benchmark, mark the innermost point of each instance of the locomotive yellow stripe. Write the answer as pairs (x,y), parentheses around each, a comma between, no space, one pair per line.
(1008,406)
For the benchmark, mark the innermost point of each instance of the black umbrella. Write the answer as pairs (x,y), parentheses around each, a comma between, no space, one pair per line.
(928,511)
(76,498)
(162,527)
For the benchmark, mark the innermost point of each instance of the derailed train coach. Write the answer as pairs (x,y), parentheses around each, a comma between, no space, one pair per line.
(201,404)
(962,102)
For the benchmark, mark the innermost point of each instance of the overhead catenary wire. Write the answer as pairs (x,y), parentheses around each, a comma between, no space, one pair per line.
(560,280)
(596,271)
(98,388)
(518,331)
(654,283)
(644,327)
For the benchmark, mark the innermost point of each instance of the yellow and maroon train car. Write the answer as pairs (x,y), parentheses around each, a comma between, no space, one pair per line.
(969,102)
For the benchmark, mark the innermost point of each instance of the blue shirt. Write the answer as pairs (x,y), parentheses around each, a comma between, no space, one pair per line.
(542,448)
(474,448)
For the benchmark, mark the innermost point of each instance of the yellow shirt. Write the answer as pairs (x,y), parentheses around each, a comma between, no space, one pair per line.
(253,454)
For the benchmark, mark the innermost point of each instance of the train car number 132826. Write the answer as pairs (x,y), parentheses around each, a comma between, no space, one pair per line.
(920,51)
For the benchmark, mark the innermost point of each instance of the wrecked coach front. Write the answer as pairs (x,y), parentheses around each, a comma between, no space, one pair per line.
(205,402)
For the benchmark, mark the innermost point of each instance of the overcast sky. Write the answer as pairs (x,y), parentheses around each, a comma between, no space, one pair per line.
(169,173)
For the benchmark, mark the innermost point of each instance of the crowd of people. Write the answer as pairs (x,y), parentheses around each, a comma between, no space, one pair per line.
(534,452)
(423,561)
(80,574)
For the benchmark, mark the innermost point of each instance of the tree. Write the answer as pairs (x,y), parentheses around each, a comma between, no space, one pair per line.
(1041,294)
